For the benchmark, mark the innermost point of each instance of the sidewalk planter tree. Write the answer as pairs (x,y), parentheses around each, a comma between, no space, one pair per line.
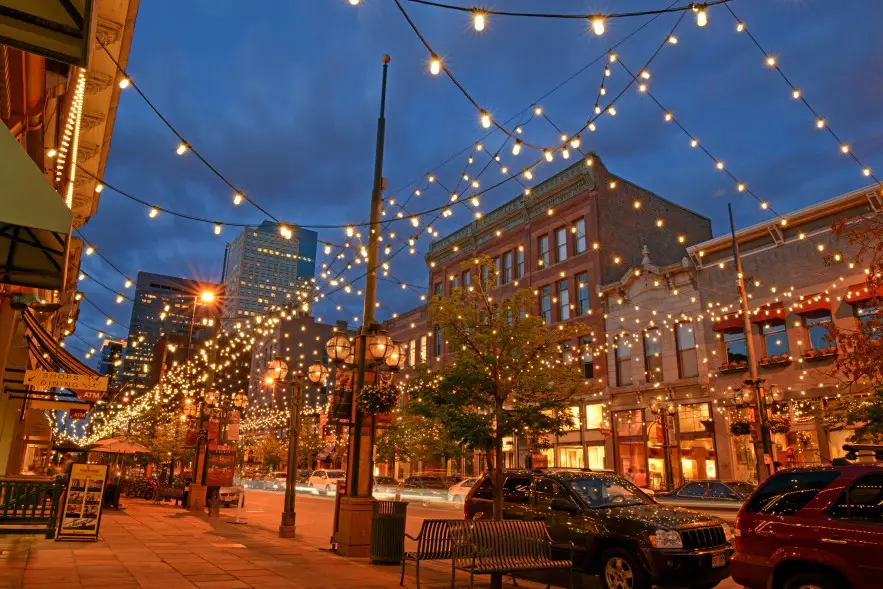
(506,376)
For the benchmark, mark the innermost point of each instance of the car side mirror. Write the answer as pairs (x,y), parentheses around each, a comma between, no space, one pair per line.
(559,504)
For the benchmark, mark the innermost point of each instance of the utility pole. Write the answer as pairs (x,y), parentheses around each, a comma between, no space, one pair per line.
(762,446)
(354,529)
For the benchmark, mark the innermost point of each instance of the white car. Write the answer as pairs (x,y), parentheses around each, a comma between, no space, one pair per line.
(458,491)
(325,481)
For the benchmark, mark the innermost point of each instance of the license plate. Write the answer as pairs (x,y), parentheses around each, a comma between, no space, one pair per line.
(718,560)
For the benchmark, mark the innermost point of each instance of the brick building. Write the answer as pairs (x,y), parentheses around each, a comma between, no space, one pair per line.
(562,239)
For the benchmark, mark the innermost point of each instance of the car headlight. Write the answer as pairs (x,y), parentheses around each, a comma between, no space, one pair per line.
(729,534)
(666,539)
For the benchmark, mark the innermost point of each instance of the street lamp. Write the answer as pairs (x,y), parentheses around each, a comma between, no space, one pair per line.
(664,408)
(277,371)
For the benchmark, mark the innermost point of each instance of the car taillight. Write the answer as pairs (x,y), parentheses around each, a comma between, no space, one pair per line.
(737,534)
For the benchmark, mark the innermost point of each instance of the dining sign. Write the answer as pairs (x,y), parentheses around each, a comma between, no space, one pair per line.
(61,380)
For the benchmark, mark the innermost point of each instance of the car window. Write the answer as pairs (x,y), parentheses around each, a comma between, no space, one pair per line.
(603,492)
(547,489)
(692,490)
(516,489)
(743,488)
(335,474)
(720,491)
(861,501)
(468,482)
(788,493)
(484,490)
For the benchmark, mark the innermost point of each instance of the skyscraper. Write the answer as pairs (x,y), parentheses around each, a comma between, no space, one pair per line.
(265,270)
(164,305)
(111,362)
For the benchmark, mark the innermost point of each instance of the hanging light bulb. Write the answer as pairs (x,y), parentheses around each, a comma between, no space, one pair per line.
(740,27)
(516,148)
(598,25)
(128,283)
(701,16)
(548,155)
(182,148)
(354,2)
(485,120)
(478,20)
(565,153)
(124,83)
(435,65)
(153,213)
(574,143)
(475,201)
(217,229)
(237,198)
(99,188)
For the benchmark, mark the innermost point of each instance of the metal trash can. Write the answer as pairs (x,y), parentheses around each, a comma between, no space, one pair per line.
(388,531)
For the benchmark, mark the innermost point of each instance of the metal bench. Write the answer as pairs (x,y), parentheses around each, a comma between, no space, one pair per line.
(433,543)
(486,547)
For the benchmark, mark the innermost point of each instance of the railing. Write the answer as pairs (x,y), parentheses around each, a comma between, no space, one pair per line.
(28,502)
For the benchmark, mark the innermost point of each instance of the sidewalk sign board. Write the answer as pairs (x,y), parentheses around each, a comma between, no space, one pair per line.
(61,380)
(81,515)
(219,466)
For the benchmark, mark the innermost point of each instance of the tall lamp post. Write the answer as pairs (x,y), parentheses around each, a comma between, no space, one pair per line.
(663,409)
(756,396)
(278,373)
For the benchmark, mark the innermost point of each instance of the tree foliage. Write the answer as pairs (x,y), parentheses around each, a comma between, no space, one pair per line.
(271,451)
(508,376)
(414,436)
(863,414)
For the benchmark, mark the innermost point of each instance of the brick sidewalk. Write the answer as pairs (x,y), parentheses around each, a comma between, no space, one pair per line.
(156,546)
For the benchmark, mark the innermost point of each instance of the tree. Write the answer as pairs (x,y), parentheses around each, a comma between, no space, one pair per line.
(863,414)
(270,451)
(309,443)
(508,377)
(413,436)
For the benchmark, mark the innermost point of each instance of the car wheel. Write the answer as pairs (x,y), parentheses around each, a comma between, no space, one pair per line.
(622,570)
(811,581)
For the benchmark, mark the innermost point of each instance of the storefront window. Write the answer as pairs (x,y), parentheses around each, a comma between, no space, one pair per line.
(570,457)
(742,449)
(797,448)
(698,459)
(596,457)
(594,416)
(575,420)
(690,417)
(629,423)
(655,477)
(631,449)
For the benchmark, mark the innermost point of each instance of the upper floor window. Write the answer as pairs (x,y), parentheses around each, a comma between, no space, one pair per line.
(735,348)
(543,251)
(437,340)
(685,339)
(546,304)
(424,352)
(775,338)
(579,236)
(438,289)
(623,358)
(560,244)
(412,353)
(467,278)
(497,273)
(653,355)
(563,294)
(582,294)
(818,328)
(519,262)
(587,357)
(507,267)
(455,282)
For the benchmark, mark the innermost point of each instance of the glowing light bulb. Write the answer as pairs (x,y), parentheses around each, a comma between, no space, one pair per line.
(668,117)
(485,120)
(642,88)
(354,2)
(673,40)
(598,25)
(612,57)
(350,231)
(764,205)
(528,174)
(574,143)
(474,200)
(592,127)
(720,165)
(795,94)
(435,65)
(182,148)
(52,153)
(740,27)
(607,72)
(548,155)
(516,149)
(538,111)
(478,21)
(237,198)
(694,143)
(844,148)
(701,16)
(128,284)
(99,188)
(611,111)
(866,171)
(820,123)
(771,61)
(740,187)
(124,83)
(217,229)
(153,213)
(565,153)
(645,74)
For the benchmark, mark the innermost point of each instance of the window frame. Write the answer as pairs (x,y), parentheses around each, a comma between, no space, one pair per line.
(437,341)
(725,347)
(827,319)
(507,267)
(620,381)
(681,351)
(544,259)
(650,373)
(560,244)
(580,310)
(519,262)
(562,293)
(580,237)
(582,341)
(545,303)
(774,324)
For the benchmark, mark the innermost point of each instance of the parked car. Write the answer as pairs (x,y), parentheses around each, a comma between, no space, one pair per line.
(458,491)
(618,532)
(254,483)
(385,486)
(325,481)
(819,528)
(424,488)
(229,496)
(721,498)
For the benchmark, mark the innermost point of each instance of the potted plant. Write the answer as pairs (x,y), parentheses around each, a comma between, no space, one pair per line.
(376,399)
(810,354)
(778,424)
(740,427)
(765,360)
(743,364)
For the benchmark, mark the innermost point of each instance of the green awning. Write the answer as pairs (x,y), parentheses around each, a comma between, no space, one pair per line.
(35,223)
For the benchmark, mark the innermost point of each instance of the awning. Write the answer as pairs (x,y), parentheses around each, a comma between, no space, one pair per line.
(808,304)
(35,224)
(862,292)
(731,321)
(57,29)
(768,312)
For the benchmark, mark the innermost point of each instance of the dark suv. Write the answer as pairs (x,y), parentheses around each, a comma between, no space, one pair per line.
(816,527)
(619,533)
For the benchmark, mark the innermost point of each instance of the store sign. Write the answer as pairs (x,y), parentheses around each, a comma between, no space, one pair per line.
(82,502)
(90,395)
(43,380)
(78,413)
(233,426)
(219,467)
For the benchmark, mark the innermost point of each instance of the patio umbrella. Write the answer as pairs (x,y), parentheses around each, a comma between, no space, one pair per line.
(118,446)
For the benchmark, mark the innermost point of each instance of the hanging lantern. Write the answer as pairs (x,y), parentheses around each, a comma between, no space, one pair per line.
(379,345)
(210,398)
(774,394)
(338,347)
(393,356)
(317,371)
(672,408)
(277,369)
(747,394)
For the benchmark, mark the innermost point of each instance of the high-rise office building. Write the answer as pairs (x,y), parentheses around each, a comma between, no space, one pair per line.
(111,362)
(265,270)
(165,305)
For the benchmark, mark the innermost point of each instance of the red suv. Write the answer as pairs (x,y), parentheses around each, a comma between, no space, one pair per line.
(812,528)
